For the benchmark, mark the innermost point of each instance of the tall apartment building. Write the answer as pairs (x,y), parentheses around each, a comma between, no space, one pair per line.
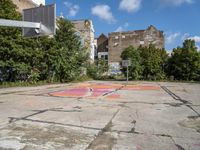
(85,30)
(119,41)
(25,4)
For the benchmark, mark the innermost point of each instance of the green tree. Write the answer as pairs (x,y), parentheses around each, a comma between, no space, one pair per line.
(8,11)
(12,55)
(98,69)
(67,57)
(42,58)
(153,62)
(184,63)
(132,54)
(19,56)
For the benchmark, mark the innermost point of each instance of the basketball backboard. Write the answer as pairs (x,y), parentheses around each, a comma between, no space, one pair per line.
(45,15)
(126,63)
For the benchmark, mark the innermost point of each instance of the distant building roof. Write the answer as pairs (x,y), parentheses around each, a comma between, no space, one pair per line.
(102,35)
(151,27)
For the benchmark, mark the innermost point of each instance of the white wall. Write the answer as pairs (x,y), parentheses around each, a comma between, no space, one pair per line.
(38,2)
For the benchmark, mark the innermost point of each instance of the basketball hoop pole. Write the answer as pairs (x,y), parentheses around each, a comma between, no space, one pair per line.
(127,74)
(37,21)
(24,24)
(20,24)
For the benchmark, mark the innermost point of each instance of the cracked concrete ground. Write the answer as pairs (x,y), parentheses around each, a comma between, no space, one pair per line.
(167,118)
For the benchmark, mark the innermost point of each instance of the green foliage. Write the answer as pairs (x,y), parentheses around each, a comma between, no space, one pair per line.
(132,54)
(146,62)
(8,11)
(184,63)
(98,69)
(59,58)
(66,56)
(34,76)
(10,51)
(153,62)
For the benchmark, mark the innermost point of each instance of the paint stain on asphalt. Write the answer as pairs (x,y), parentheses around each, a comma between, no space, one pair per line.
(89,90)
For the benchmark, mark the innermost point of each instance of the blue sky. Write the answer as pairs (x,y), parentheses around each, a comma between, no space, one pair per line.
(179,19)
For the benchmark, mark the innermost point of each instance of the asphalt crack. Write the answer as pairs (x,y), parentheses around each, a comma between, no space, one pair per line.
(174,96)
(177,98)
(104,140)
(179,147)
(110,92)
(14,119)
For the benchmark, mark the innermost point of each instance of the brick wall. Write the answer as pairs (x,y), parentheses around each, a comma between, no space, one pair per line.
(118,41)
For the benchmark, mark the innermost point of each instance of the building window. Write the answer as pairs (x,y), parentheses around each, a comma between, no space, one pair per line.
(141,42)
(116,37)
(106,57)
(115,44)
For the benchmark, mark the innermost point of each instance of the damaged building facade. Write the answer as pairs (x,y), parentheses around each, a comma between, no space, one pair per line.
(25,4)
(102,47)
(119,41)
(85,30)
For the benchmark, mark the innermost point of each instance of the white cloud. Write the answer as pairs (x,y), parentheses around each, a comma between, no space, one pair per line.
(196,38)
(171,38)
(103,12)
(122,28)
(73,9)
(185,36)
(119,29)
(176,2)
(130,5)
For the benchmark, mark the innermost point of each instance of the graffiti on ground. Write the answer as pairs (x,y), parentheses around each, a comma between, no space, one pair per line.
(100,90)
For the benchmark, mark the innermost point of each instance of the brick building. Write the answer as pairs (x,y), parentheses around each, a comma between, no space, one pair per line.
(118,41)
(25,4)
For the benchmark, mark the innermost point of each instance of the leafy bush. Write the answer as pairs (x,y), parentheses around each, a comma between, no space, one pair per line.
(97,70)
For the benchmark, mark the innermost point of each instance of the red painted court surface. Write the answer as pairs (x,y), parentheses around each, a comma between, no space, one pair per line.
(97,90)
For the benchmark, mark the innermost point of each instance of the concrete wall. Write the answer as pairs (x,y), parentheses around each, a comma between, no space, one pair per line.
(118,41)
(38,2)
(23,4)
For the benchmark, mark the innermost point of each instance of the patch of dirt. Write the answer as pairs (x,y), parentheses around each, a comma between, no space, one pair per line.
(104,141)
